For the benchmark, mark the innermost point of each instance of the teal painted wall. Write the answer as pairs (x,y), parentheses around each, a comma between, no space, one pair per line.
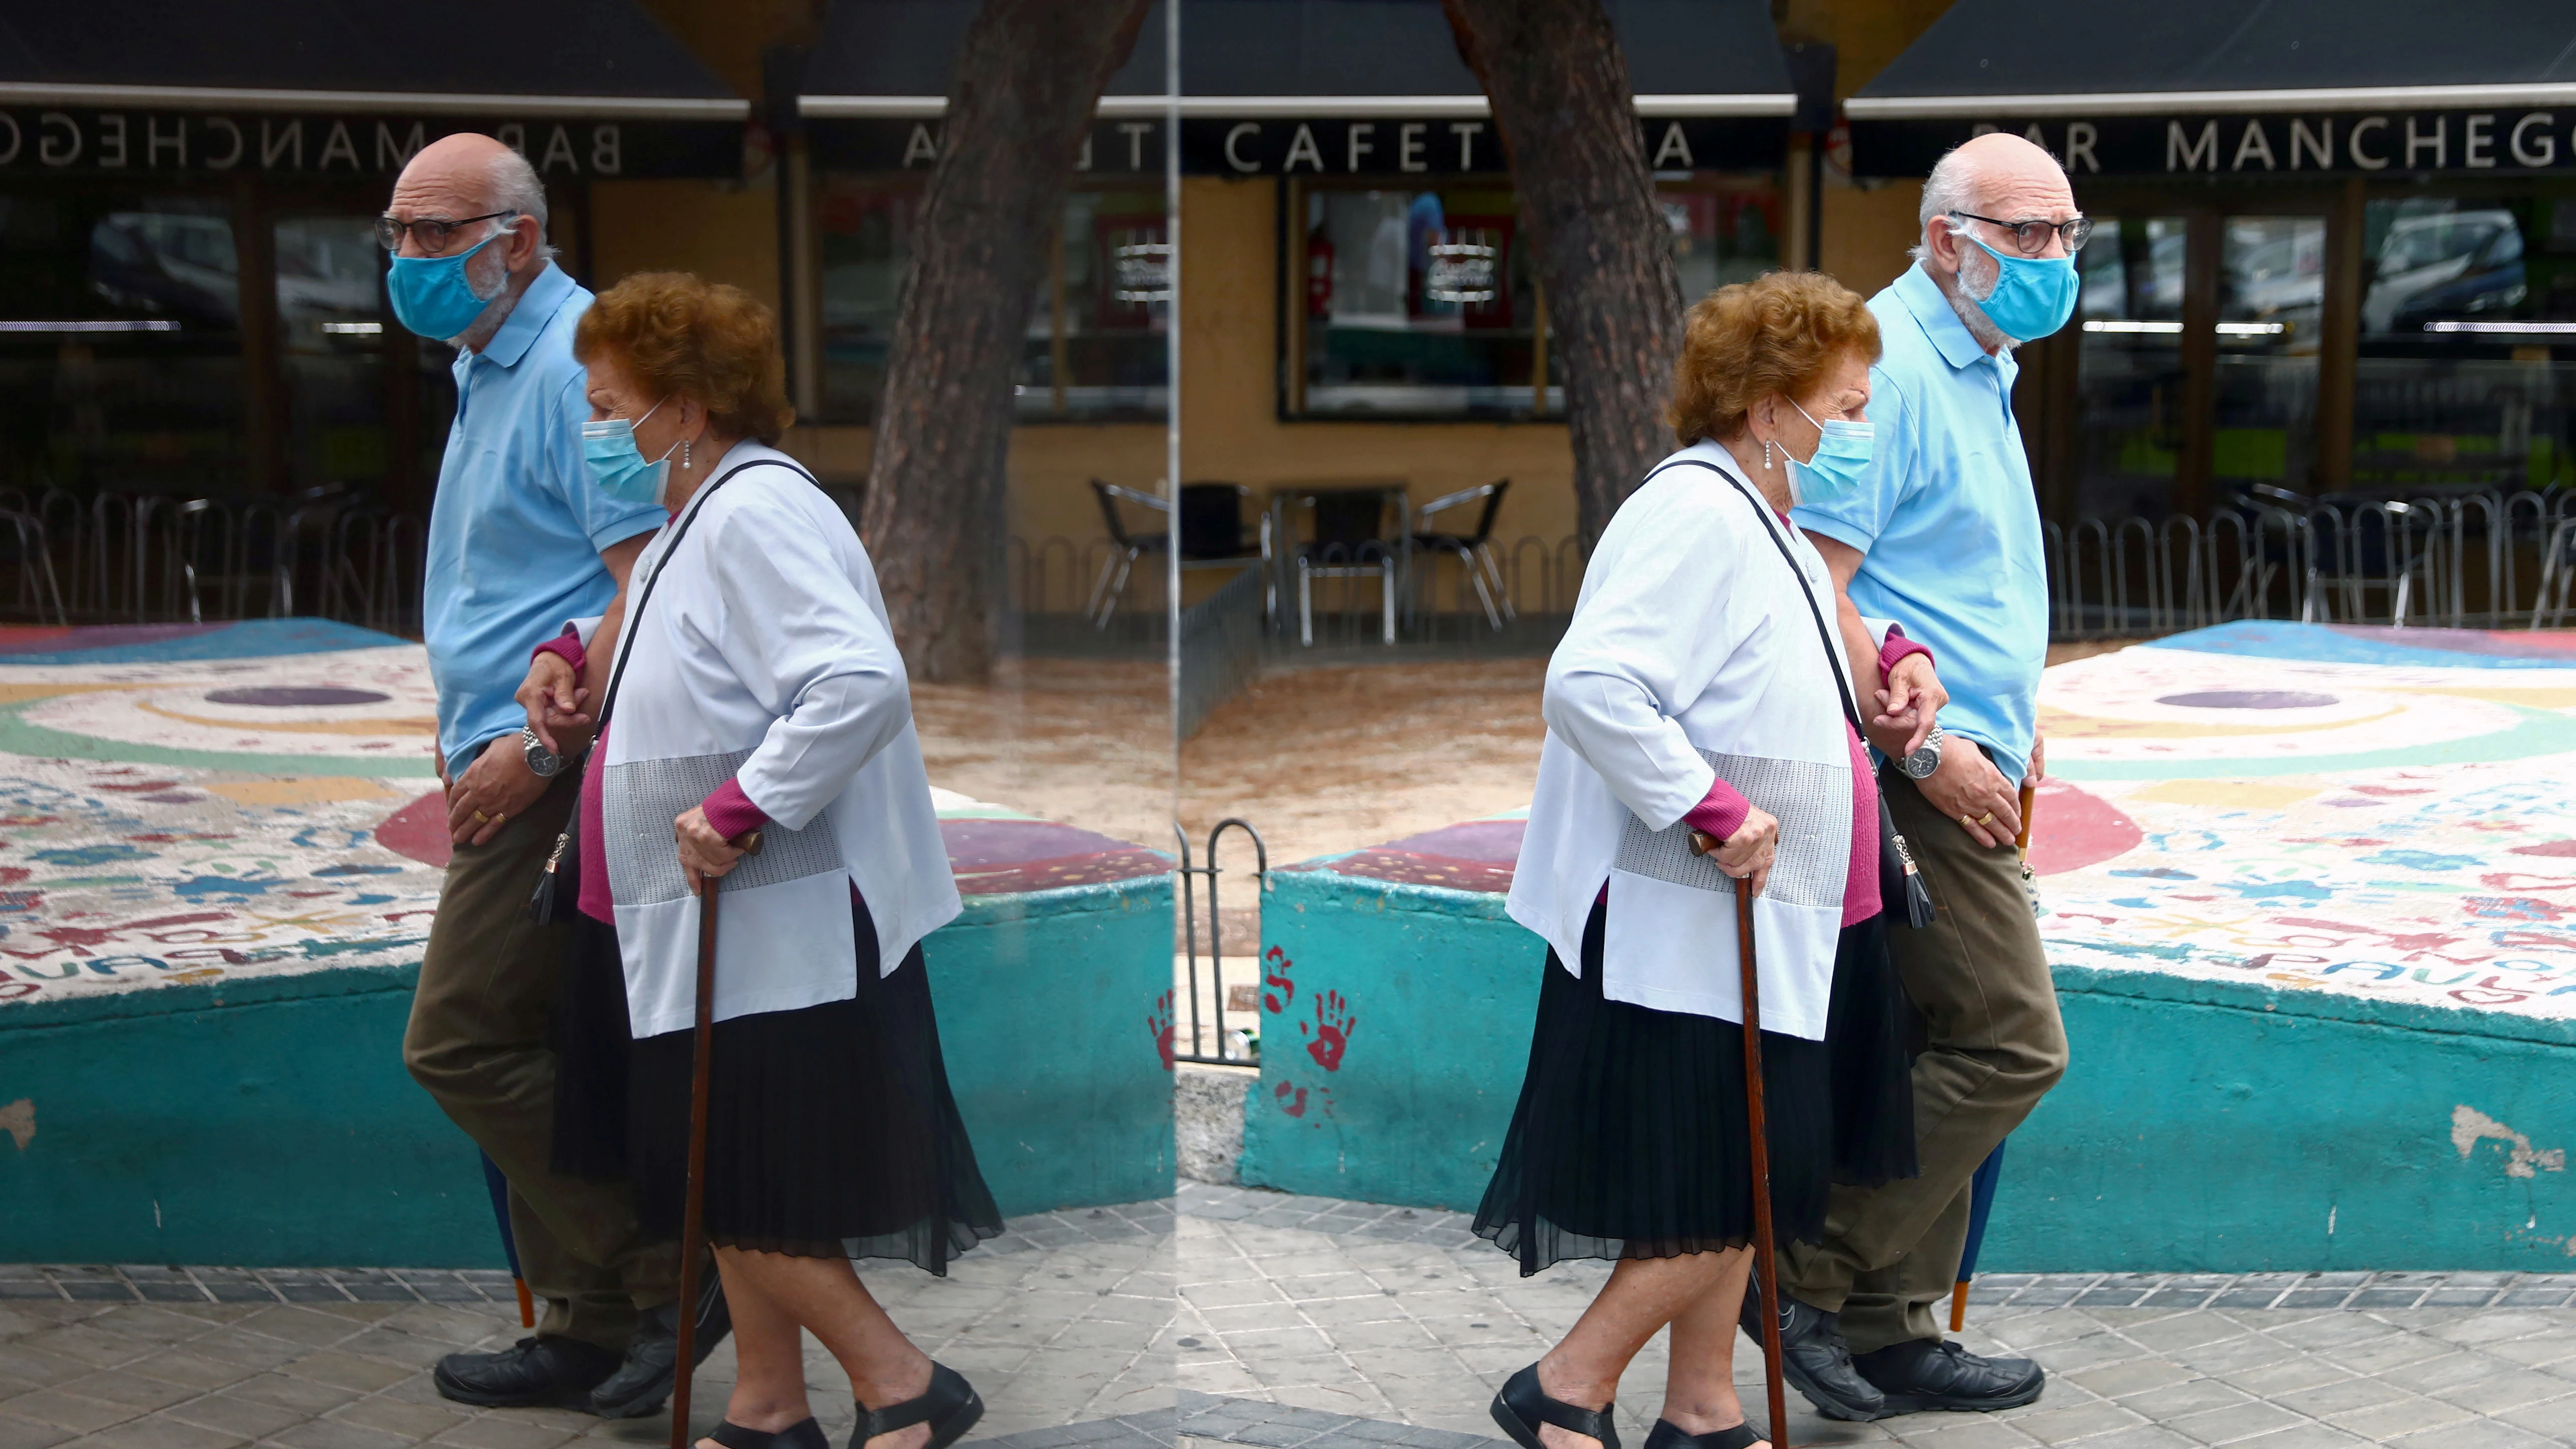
(2203,1126)
(270,1122)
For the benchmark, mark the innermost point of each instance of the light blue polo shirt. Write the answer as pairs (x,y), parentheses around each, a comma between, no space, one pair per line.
(516,530)
(1948,521)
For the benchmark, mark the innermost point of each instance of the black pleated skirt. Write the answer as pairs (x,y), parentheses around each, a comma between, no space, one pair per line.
(831,1131)
(1630,1139)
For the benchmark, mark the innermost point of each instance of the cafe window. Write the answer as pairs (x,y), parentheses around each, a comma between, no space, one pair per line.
(2271,272)
(2129,371)
(2467,302)
(1095,348)
(120,342)
(1422,303)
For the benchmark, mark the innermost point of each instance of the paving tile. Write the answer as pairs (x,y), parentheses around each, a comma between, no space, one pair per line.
(398,1418)
(69,1411)
(248,1418)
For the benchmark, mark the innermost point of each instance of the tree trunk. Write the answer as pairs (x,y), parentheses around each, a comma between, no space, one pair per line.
(1559,88)
(1028,79)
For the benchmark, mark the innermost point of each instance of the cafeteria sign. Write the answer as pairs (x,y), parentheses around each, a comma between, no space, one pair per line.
(79,142)
(2350,143)
(1311,146)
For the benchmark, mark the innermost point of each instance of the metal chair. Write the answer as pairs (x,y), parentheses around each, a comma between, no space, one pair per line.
(1350,541)
(1475,550)
(1125,550)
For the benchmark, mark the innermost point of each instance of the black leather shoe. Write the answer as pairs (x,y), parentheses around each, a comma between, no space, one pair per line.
(1814,1358)
(950,1406)
(531,1372)
(643,1382)
(1926,1374)
(1668,1435)
(1522,1406)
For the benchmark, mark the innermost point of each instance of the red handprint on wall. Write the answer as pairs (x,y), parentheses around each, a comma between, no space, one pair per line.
(1334,1024)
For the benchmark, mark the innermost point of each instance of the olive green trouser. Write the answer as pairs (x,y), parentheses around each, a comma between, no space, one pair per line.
(1994,1046)
(477,1043)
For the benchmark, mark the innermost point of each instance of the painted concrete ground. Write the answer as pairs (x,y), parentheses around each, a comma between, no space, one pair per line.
(2379,813)
(195,803)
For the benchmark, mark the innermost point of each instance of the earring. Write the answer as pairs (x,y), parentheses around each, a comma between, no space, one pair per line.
(1766,457)
(684,455)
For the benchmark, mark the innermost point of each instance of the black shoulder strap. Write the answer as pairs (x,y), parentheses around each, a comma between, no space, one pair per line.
(1833,656)
(679,531)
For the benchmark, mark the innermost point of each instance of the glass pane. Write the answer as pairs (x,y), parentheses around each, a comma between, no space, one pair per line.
(1096,346)
(331,326)
(866,245)
(2465,301)
(2271,287)
(120,343)
(1418,304)
(2129,372)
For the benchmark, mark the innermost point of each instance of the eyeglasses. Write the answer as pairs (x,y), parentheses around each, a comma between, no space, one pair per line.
(432,233)
(2032,236)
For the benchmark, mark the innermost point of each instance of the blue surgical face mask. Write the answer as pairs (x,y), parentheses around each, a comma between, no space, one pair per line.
(432,295)
(1842,456)
(618,466)
(2033,296)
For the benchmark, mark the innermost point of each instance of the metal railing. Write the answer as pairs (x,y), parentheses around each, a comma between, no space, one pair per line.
(1221,647)
(2468,560)
(1231,1049)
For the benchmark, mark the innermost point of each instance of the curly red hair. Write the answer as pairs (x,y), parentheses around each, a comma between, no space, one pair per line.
(679,334)
(1780,332)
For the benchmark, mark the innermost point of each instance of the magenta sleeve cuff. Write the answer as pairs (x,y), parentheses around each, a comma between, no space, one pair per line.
(565,646)
(1720,812)
(731,812)
(1898,647)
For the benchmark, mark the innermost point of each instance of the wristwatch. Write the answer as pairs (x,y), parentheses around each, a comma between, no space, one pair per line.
(543,763)
(1921,764)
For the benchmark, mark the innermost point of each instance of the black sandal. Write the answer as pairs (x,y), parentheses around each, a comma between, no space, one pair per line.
(1668,1435)
(805,1434)
(948,1406)
(1522,1406)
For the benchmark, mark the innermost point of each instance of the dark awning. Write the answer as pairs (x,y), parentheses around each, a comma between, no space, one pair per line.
(1326,87)
(322,87)
(2234,87)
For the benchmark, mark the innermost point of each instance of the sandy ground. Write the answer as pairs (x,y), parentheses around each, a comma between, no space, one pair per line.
(1087,742)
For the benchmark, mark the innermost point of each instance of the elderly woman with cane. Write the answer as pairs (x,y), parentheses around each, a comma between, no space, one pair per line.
(752,687)
(1699,693)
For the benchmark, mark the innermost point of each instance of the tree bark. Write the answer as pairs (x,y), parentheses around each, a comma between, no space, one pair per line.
(1028,80)
(1558,83)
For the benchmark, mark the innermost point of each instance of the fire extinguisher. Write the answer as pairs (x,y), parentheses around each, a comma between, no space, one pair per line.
(1319,275)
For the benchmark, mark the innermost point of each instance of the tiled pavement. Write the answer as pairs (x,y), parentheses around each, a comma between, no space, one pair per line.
(1351,1320)
(1061,1321)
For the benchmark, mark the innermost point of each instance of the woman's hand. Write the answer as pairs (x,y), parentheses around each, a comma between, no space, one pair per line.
(1748,852)
(1970,790)
(704,855)
(1910,703)
(552,695)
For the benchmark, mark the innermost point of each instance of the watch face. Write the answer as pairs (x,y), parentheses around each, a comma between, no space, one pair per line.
(541,761)
(1921,764)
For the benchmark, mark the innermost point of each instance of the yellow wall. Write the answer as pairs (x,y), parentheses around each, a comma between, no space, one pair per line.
(723,231)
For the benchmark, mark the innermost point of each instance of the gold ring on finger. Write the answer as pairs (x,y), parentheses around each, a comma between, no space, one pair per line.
(1986,819)
(1967,819)
(482,819)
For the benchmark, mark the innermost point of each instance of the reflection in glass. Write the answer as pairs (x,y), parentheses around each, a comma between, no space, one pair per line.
(1095,333)
(120,342)
(2467,301)
(331,327)
(2271,287)
(2129,372)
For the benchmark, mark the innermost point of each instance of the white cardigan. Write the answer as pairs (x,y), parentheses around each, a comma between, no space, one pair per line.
(1692,654)
(765,656)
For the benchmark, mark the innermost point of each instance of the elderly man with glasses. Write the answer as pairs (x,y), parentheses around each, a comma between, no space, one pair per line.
(1943,537)
(520,539)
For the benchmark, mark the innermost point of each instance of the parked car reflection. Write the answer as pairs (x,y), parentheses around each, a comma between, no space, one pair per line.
(2451,264)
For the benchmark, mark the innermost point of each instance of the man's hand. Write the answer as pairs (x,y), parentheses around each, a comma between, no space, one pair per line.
(704,855)
(1908,707)
(1974,793)
(2038,770)
(553,698)
(498,786)
(1747,854)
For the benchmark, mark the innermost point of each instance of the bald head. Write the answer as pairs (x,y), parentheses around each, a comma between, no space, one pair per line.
(2000,175)
(487,193)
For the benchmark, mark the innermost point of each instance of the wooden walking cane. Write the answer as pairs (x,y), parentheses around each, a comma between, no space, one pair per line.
(1766,1248)
(694,1202)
